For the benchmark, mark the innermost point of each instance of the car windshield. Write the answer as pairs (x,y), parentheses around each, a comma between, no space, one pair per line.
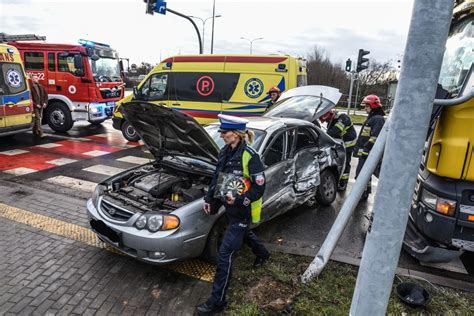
(213,130)
(105,69)
(458,57)
(303,107)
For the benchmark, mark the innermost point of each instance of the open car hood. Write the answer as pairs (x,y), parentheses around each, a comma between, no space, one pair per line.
(168,132)
(305,103)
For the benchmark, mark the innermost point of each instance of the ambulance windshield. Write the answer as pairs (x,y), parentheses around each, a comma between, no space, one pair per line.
(458,56)
(105,69)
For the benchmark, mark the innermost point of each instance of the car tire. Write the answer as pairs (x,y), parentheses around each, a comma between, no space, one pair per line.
(327,189)
(214,240)
(129,132)
(58,117)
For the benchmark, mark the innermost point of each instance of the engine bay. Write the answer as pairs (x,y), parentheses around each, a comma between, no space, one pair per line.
(153,188)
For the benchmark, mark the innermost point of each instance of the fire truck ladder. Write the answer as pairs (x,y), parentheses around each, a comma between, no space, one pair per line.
(20,37)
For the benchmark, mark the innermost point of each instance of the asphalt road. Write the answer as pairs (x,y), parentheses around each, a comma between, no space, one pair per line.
(72,163)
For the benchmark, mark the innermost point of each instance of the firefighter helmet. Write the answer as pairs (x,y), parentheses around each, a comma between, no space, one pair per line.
(372,100)
(326,117)
(274,89)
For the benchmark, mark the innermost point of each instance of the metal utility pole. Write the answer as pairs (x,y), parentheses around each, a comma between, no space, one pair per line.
(213,18)
(356,96)
(349,100)
(408,127)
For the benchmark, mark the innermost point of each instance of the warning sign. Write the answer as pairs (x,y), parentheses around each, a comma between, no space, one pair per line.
(205,86)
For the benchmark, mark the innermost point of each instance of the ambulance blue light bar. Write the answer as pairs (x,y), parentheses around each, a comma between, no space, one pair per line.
(91,43)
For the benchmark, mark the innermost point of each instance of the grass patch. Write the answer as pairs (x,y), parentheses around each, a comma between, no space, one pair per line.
(358,119)
(275,289)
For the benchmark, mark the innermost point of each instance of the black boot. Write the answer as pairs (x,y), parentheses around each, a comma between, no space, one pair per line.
(209,309)
(342,186)
(259,261)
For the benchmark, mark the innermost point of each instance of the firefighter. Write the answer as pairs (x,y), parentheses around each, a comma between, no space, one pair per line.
(339,125)
(368,135)
(274,94)
(236,159)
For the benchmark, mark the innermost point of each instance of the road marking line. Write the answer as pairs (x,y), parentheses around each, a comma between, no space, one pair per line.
(20,171)
(49,145)
(103,169)
(13,152)
(134,160)
(61,161)
(72,183)
(194,268)
(96,153)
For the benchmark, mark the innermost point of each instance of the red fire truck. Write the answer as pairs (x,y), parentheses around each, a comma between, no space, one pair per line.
(83,81)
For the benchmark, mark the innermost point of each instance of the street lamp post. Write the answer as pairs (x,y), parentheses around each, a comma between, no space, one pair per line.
(203,26)
(251,42)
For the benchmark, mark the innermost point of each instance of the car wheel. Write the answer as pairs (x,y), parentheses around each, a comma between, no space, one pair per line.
(59,117)
(129,132)
(326,193)
(214,240)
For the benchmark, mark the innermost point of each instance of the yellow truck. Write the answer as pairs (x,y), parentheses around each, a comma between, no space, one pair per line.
(441,225)
(15,104)
(205,85)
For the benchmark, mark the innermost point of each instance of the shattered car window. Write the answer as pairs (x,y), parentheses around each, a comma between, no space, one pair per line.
(213,130)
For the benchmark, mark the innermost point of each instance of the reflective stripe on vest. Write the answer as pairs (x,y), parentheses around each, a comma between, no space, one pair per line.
(350,143)
(366,131)
(255,207)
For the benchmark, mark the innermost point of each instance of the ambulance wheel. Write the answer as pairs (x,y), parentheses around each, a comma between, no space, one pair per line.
(326,193)
(129,132)
(214,240)
(59,117)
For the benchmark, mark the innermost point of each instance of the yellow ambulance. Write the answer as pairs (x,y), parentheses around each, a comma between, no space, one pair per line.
(205,85)
(15,105)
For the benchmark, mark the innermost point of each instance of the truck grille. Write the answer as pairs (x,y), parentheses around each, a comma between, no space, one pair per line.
(114,211)
(110,93)
(463,244)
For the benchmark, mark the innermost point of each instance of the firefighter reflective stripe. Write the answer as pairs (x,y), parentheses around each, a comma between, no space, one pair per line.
(256,206)
(363,153)
(345,176)
(350,143)
(340,126)
(373,139)
(346,129)
(366,131)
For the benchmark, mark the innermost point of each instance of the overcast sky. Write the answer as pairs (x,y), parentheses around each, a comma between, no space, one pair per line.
(291,27)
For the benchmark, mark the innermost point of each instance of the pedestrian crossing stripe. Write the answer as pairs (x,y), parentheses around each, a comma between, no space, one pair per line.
(194,268)
(103,169)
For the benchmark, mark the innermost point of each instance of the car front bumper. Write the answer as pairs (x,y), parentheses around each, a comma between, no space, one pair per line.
(140,244)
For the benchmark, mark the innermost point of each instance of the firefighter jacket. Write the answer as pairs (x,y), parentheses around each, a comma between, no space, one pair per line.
(341,127)
(369,132)
(241,161)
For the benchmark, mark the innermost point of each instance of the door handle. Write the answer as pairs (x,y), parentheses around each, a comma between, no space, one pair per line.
(176,104)
(10,104)
(161,103)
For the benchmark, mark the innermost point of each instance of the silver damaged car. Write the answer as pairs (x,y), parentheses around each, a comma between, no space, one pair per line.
(153,212)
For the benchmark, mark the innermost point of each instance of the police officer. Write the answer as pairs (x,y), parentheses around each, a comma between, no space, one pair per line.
(368,135)
(340,126)
(237,159)
(274,94)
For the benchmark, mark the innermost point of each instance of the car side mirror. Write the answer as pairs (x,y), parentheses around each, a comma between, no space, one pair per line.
(136,93)
(78,62)
(79,72)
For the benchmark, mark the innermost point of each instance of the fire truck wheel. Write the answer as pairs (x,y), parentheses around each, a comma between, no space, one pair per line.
(129,132)
(59,117)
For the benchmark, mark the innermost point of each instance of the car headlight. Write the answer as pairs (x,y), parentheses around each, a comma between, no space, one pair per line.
(141,222)
(441,205)
(98,191)
(154,222)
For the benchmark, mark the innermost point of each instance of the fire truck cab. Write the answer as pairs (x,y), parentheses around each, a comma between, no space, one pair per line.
(83,81)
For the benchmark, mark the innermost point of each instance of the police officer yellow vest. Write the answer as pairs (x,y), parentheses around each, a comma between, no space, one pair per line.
(256,206)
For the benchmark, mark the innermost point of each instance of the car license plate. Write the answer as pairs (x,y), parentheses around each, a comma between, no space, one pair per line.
(110,103)
(105,231)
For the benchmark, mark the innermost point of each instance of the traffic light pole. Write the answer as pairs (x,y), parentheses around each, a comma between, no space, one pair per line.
(194,24)
(349,100)
(405,141)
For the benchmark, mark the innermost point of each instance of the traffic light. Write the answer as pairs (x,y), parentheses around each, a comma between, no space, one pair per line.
(150,6)
(348,65)
(362,63)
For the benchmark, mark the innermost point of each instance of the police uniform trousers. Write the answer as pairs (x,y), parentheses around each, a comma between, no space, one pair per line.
(236,234)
